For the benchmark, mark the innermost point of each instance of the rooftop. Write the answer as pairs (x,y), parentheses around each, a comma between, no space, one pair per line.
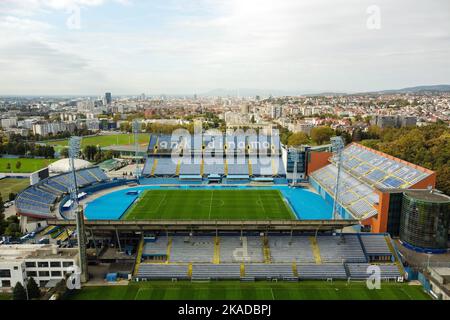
(19,252)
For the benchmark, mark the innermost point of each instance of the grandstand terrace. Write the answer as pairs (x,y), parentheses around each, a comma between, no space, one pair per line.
(250,257)
(39,200)
(234,157)
(365,177)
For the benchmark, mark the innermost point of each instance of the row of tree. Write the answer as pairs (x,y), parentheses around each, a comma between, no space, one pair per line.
(427,146)
(27,149)
(30,293)
(318,136)
(8,226)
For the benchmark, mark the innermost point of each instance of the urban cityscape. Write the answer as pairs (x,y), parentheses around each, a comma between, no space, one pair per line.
(219,188)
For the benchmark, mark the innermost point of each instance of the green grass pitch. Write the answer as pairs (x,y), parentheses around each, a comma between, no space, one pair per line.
(210,204)
(105,140)
(234,290)
(27,165)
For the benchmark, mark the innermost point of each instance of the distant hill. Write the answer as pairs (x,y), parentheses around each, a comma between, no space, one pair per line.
(247,92)
(418,89)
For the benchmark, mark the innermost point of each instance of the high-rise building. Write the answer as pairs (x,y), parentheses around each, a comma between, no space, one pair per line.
(108,98)
(276,111)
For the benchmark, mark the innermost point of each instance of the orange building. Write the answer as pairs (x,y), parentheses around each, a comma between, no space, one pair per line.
(370,184)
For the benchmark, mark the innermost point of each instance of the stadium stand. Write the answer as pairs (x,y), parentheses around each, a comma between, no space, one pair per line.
(214,168)
(321,271)
(216,271)
(162,271)
(286,249)
(365,171)
(238,168)
(360,271)
(39,199)
(292,259)
(269,271)
(164,167)
(190,169)
(233,249)
(376,247)
(192,249)
(340,249)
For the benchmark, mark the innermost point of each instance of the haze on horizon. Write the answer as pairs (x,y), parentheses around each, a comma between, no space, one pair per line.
(186,46)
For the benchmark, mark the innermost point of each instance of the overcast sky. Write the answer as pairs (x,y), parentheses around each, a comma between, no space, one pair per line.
(192,46)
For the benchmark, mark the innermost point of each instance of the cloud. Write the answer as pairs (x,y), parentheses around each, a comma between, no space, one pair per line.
(190,46)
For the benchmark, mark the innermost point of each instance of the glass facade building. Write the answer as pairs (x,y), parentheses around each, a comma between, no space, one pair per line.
(425,219)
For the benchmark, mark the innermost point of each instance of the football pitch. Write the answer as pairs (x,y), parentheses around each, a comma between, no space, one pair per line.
(105,140)
(229,290)
(210,205)
(26,164)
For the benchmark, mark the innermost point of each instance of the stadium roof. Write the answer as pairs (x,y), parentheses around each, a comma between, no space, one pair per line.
(364,171)
(63,165)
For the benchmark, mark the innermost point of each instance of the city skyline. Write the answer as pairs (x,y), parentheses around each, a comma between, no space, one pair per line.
(85,47)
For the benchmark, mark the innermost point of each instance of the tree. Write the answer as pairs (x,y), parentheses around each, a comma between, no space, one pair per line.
(19,292)
(297,139)
(18,165)
(8,166)
(321,135)
(33,289)
(11,196)
(64,153)
(2,217)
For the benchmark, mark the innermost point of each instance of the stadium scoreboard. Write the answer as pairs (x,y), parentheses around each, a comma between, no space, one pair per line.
(39,175)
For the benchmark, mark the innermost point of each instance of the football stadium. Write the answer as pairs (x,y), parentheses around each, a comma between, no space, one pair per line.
(243,208)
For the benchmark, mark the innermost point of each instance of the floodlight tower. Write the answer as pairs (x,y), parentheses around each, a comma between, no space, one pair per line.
(74,150)
(136,129)
(295,156)
(337,144)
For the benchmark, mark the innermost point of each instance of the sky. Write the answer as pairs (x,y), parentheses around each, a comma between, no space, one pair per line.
(192,46)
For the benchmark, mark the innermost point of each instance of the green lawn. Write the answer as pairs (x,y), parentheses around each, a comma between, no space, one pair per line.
(234,290)
(8,185)
(5,296)
(106,140)
(28,165)
(210,204)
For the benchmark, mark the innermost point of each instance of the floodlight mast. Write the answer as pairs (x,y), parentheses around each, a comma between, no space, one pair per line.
(337,144)
(136,129)
(74,150)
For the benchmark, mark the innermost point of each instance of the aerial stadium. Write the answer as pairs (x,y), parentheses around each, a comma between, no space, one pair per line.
(234,207)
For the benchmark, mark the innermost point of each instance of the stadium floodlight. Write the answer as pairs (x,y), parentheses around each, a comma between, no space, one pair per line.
(136,129)
(337,145)
(74,151)
(295,156)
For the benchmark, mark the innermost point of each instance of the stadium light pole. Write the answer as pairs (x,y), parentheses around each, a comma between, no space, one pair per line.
(337,144)
(136,129)
(74,150)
